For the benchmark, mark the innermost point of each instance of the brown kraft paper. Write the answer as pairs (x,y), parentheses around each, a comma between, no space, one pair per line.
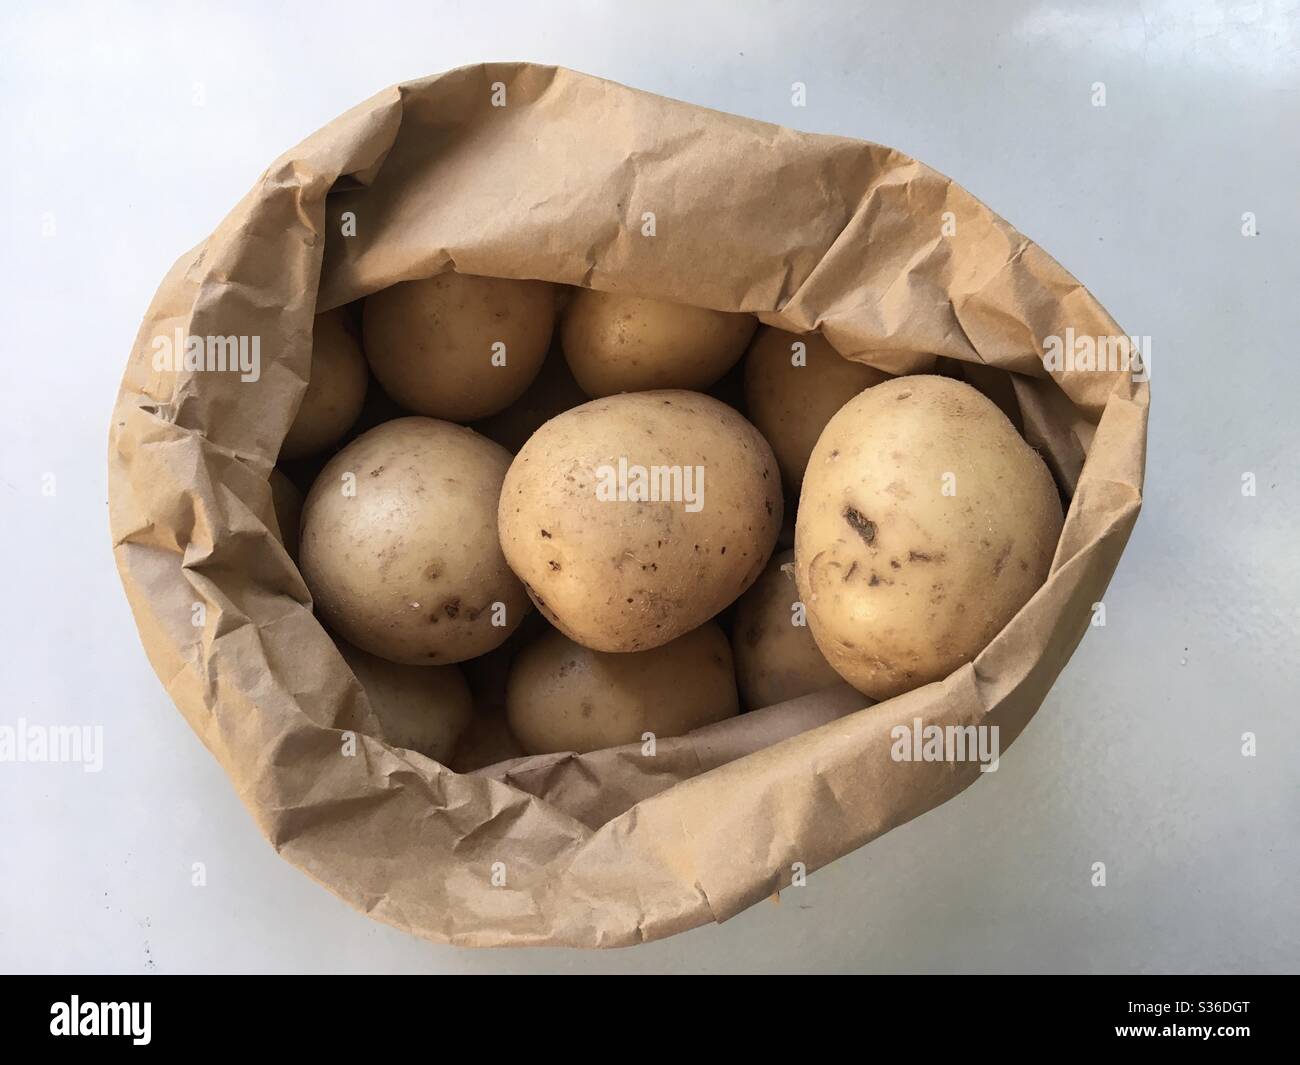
(524,171)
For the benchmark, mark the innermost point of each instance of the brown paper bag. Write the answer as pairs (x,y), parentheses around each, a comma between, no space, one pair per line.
(516,170)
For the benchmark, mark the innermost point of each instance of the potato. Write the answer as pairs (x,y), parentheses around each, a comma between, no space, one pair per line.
(776,657)
(421,708)
(564,697)
(336,389)
(636,518)
(790,404)
(553,392)
(287,502)
(399,544)
(620,343)
(457,346)
(925,524)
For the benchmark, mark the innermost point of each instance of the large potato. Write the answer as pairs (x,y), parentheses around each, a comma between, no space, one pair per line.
(457,346)
(564,697)
(776,657)
(421,708)
(620,343)
(925,524)
(399,544)
(634,519)
(794,384)
(336,389)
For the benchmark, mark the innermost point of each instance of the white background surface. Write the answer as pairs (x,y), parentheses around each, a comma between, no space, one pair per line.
(1133,760)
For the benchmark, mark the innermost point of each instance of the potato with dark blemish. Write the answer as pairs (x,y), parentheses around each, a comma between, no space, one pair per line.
(399,544)
(634,519)
(924,525)
(562,696)
(776,657)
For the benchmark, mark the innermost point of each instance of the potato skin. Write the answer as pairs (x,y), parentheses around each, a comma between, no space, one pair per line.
(790,405)
(776,659)
(336,389)
(902,583)
(409,567)
(421,708)
(619,343)
(562,696)
(430,342)
(623,575)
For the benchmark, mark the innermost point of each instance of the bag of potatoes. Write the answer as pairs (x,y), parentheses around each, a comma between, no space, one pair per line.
(771,473)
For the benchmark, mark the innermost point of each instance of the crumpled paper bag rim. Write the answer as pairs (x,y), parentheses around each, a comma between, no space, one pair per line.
(602,849)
